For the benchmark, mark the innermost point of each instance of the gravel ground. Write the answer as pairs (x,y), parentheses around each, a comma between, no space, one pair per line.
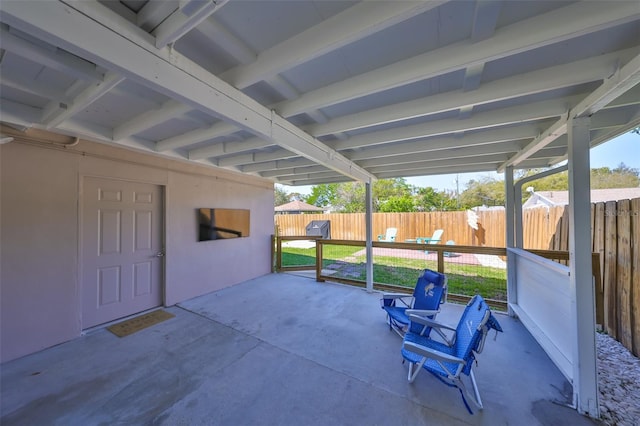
(618,382)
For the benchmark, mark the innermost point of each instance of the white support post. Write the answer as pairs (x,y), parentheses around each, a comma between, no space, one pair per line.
(512,295)
(585,377)
(369,231)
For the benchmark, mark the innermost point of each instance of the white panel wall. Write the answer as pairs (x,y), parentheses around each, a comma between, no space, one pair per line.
(201,267)
(544,305)
(39,293)
(40,194)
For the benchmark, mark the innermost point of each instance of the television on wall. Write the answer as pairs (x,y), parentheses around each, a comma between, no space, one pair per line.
(221,224)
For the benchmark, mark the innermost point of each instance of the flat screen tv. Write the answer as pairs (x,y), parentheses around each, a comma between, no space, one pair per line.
(220,224)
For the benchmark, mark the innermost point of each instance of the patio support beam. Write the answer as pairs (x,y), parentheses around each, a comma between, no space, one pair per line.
(91,31)
(530,83)
(187,17)
(585,378)
(149,119)
(482,121)
(63,111)
(368,217)
(621,81)
(510,232)
(355,23)
(542,30)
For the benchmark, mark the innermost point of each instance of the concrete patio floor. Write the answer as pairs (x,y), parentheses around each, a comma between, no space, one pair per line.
(277,350)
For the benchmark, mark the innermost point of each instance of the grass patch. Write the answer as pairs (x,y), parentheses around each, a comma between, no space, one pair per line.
(463,279)
(294,256)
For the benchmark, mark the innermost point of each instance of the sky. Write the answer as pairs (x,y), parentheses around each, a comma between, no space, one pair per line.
(623,149)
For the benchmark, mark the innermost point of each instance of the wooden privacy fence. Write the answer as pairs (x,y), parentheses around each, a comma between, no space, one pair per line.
(351,226)
(615,234)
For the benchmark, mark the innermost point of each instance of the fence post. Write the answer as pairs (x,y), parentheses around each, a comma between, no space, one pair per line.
(585,386)
(369,236)
(510,231)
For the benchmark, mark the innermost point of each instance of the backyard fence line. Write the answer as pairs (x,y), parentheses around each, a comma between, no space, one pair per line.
(615,234)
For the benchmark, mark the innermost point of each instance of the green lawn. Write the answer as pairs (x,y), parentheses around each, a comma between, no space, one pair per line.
(463,279)
(293,256)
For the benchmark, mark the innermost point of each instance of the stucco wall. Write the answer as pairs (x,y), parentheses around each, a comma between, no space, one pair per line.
(40,195)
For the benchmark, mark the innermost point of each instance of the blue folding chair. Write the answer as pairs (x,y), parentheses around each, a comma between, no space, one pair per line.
(448,361)
(430,292)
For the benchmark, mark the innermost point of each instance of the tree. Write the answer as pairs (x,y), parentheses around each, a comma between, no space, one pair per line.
(486,191)
(349,197)
(620,177)
(601,178)
(428,199)
(280,196)
(323,195)
(396,204)
(490,192)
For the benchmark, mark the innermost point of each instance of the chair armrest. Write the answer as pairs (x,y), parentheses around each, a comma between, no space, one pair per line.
(432,353)
(422,312)
(429,322)
(395,295)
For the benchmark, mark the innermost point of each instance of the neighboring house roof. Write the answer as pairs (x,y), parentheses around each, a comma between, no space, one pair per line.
(561,198)
(298,206)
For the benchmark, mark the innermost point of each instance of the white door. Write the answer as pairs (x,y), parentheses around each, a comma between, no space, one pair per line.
(121,249)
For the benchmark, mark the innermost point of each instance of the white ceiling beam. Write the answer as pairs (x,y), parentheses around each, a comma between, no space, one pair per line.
(301,182)
(355,23)
(282,86)
(256,157)
(622,80)
(607,118)
(84,99)
(545,138)
(149,119)
(114,43)
(236,160)
(277,164)
(478,159)
(189,14)
(226,148)
(484,24)
(154,12)
(560,76)
(53,58)
(440,170)
(473,77)
(556,26)
(630,97)
(20,114)
(196,136)
(33,87)
(496,118)
(292,171)
(485,19)
(228,42)
(600,136)
(304,176)
(505,134)
(549,153)
(444,155)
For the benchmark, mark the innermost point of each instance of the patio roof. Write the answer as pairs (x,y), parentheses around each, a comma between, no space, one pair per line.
(280,349)
(311,92)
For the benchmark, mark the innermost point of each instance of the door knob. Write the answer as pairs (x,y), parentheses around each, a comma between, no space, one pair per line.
(160,254)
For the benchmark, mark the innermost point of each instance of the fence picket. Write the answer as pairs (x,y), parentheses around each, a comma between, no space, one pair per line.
(610,269)
(635,274)
(624,273)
